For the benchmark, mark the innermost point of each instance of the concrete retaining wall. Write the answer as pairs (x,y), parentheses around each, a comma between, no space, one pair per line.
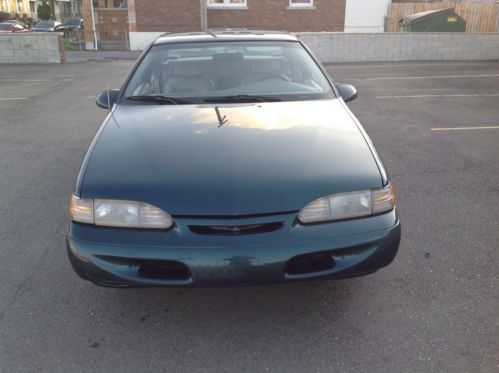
(31,48)
(341,47)
(361,47)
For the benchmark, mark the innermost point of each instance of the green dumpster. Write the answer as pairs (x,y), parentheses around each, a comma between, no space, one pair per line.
(442,20)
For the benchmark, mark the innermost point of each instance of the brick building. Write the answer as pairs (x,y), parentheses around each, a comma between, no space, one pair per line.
(192,15)
(292,15)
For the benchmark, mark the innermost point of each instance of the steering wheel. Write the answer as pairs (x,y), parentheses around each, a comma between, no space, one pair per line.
(279,76)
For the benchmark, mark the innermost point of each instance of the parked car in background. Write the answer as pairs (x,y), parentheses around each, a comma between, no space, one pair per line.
(73,23)
(11,27)
(19,23)
(230,158)
(49,26)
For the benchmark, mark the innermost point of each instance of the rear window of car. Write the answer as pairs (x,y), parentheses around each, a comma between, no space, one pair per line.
(72,21)
(198,71)
(45,24)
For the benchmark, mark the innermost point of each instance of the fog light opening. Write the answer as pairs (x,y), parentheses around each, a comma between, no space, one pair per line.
(164,270)
(309,263)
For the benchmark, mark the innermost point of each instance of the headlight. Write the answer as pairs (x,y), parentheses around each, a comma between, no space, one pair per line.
(349,205)
(115,213)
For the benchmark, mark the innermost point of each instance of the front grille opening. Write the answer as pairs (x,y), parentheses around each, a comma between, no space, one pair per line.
(309,263)
(164,270)
(236,230)
(155,269)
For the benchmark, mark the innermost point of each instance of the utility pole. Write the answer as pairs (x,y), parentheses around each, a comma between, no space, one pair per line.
(93,24)
(204,14)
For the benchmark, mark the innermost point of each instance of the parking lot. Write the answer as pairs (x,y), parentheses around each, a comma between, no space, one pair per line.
(434,309)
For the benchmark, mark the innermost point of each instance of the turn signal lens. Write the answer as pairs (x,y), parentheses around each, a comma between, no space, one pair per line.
(348,205)
(115,213)
(383,199)
(81,210)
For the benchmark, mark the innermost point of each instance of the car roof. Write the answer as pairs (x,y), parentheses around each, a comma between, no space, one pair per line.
(226,35)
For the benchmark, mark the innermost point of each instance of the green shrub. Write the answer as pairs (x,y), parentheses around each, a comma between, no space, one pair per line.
(4,16)
(43,11)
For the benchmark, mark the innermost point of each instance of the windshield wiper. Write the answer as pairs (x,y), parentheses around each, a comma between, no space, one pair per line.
(242,98)
(159,99)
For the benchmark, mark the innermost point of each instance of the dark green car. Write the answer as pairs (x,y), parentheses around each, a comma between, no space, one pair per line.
(230,158)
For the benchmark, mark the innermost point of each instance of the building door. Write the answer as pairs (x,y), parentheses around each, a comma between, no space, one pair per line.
(365,16)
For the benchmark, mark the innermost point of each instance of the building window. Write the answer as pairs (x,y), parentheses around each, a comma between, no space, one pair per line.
(301,3)
(227,3)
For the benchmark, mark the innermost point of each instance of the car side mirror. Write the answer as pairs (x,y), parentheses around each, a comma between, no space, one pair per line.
(347,91)
(107,98)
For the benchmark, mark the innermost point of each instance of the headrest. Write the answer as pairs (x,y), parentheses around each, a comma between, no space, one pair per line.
(266,67)
(187,70)
(228,57)
(171,57)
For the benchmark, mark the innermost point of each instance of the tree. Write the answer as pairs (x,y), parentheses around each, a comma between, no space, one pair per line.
(43,11)
(4,16)
(52,8)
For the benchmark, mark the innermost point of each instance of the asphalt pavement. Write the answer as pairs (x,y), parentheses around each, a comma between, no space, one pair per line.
(435,309)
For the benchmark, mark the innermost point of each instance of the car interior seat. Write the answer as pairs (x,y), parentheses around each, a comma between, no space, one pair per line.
(187,78)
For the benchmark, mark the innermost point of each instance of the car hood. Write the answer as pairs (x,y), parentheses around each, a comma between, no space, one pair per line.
(231,159)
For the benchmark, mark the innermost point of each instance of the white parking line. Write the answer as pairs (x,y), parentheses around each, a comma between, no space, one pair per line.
(427,77)
(13,98)
(55,80)
(430,96)
(446,64)
(464,128)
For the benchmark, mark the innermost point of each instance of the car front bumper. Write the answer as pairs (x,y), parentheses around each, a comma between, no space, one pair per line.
(180,257)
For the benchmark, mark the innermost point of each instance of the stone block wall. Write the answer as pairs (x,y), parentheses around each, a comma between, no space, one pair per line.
(403,46)
(31,48)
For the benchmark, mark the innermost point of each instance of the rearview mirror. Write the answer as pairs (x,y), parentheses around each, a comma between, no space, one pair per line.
(347,91)
(106,99)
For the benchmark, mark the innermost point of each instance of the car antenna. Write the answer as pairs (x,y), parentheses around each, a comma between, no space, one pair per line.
(109,105)
(211,33)
(108,98)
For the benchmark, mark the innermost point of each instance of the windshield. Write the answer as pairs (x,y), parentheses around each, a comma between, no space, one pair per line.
(72,21)
(5,26)
(45,24)
(218,71)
